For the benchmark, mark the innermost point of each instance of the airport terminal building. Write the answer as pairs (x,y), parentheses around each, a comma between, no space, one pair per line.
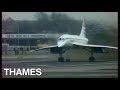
(27,39)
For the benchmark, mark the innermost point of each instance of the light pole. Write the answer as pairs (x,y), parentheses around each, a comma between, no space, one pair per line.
(28,44)
(18,36)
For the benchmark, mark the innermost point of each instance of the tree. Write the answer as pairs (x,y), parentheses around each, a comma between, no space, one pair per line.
(8,24)
(59,16)
(41,16)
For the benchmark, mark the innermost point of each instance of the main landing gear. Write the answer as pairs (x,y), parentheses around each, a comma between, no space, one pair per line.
(91,58)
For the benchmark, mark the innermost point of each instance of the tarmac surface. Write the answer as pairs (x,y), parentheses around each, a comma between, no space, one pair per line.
(54,69)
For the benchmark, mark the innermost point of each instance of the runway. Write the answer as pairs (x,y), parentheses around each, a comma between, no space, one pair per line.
(54,69)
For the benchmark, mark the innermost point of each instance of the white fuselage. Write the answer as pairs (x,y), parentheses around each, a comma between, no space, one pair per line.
(69,40)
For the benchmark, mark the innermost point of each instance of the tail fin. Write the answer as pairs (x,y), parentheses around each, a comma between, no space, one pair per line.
(83,33)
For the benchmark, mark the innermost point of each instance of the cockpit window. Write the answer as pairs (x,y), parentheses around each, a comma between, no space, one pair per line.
(61,38)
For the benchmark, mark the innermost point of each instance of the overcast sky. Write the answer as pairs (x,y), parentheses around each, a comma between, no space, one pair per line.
(108,17)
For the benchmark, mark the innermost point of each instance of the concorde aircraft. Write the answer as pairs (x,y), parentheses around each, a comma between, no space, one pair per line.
(66,41)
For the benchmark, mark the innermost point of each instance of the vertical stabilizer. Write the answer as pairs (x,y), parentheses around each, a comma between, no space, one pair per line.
(83,33)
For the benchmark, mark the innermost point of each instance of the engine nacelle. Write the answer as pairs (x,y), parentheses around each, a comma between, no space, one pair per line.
(57,50)
(100,50)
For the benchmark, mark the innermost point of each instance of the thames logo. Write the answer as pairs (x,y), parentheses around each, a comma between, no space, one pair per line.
(23,71)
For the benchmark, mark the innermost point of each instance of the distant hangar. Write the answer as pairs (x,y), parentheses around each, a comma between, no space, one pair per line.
(27,39)
(30,36)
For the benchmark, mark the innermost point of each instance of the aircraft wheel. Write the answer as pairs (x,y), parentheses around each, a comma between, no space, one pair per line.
(67,60)
(60,59)
(92,59)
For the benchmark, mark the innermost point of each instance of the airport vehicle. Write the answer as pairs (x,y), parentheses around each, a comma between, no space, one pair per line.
(66,41)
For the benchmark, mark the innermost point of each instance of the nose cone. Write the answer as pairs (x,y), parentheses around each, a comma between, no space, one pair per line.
(61,44)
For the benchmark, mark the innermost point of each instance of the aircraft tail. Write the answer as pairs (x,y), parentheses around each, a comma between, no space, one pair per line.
(83,32)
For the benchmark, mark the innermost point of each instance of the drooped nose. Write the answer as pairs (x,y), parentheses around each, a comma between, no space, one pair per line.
(61,44)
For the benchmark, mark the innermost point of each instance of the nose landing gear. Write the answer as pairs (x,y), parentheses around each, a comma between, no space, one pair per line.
(67,60)
(91,59)
(61,59)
